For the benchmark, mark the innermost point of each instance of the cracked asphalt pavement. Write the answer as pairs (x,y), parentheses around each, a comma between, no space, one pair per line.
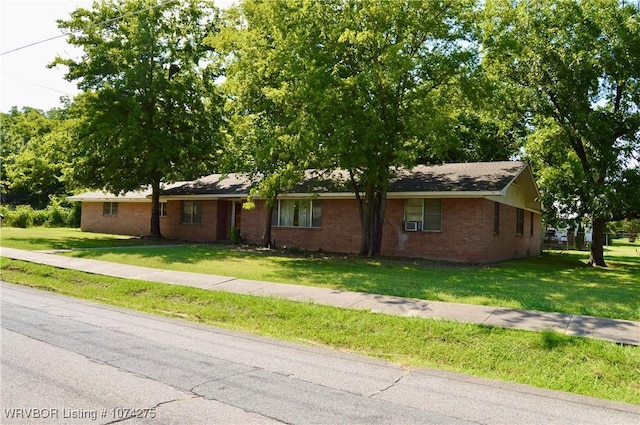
(65,360)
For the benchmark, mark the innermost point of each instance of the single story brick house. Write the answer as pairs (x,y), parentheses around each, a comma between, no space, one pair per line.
(463,212)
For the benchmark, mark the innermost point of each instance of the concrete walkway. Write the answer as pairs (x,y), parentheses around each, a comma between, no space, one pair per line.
(619,331)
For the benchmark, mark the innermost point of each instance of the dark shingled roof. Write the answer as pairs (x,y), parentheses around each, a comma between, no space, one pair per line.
(457,177)
(214,184)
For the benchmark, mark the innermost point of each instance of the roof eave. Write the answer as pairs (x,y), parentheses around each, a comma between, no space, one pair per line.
(107,199)
(447,194)
(202,197)
(342,195)
(531,176)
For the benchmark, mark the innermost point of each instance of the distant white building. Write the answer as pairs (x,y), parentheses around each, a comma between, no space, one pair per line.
(567,235)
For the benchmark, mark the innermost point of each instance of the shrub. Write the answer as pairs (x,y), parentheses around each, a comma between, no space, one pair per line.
(22,216)
(4,210)
(55,215)
(39,217)
(236,237)
(75,214)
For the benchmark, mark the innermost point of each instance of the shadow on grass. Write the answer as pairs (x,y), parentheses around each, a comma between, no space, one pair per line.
(81,243)
(551,282)
(623,259)
(551,340)
(44,238)
(169,251)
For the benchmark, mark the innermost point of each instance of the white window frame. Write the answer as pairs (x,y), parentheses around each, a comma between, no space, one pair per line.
(519,221)
(413,217)
(314,205)
(423,214)
(439,215)
(163,209)
(110,209)
(496,218)
(531,224)
(195,211)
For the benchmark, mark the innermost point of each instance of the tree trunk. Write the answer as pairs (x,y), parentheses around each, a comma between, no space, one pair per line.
(372,212)
(266,235)
(364,225)
(377,222)
(596,258)
(155,210)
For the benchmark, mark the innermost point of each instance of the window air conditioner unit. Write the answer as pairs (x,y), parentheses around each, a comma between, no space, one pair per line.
(411,226)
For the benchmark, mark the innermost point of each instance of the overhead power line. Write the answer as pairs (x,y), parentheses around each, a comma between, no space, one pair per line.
(32,44)
(137,12)
(31,83)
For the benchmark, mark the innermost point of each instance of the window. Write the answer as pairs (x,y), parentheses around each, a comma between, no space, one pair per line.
(163,209)
(519,221)
(413,213)
(297,213)
(110,208)
(191,212)
(531,225)
(426,212)
(496,218)
(432,215)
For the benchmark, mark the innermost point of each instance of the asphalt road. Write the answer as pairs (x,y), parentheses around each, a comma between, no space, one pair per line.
(75,362)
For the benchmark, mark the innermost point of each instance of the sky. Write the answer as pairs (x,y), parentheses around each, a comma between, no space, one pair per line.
(26,81)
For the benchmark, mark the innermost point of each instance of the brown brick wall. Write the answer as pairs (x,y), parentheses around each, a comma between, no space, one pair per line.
(506,244)
(339,232)
(134,218)
(467,228)
(457,241)
(207,230)
(467,232)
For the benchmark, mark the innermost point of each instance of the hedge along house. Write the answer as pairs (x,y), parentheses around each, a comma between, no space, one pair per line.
(467,212)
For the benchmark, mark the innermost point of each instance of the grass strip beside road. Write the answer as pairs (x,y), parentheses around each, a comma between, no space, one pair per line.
(544,359)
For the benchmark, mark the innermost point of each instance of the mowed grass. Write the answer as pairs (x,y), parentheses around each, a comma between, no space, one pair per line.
(544,359)
(53,238)
(556,281)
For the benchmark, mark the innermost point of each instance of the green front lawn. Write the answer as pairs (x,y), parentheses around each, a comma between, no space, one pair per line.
(49,238)
(556,281)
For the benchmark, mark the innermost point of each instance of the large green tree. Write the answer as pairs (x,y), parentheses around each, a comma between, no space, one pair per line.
(151,109)
(33,163)
(576,64)
(264,140)
(384,91)
(359,84)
